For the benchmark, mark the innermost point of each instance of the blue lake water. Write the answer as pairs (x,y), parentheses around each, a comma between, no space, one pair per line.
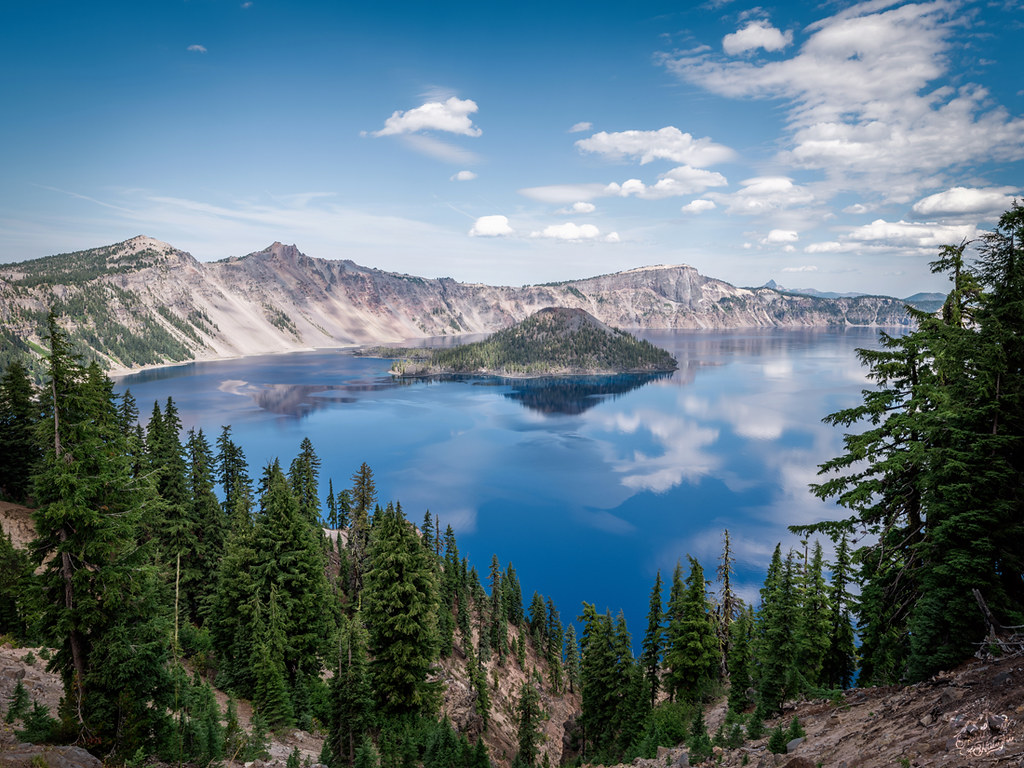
(588,486)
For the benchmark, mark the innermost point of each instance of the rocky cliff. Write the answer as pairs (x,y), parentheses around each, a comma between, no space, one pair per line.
(144,302)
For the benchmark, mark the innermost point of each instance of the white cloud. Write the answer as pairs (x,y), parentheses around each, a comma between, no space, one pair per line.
(580,127)
(463,176)
(197,48)
(803,268)
(667,143)
(777,236)
(911,234)
(698,206)
(612,237)
(491,226)
(569,231)
(964,200)
(764,194)
(451,116)
(579,207)
(683,180)
(911,238)
(868,100)
(757,34)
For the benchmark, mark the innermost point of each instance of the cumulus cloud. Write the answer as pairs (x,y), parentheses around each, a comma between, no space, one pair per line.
(197,48)
(579,207)
(569,231)
(491,226)
(698,206)
(580,127)
(881,235)
(778,236)
(463,176)
(965,200)
(667,143)
(451,116)
(896,126)
(757,34)
(764,194)
(679,181)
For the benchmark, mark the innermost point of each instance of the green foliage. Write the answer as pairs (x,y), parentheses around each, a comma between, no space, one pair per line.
(400,609)
(778,740)
(18,708)
(19,447)
(795,730)
(529,714)
(38,726)
(698,741)
(552,340)
(691,653)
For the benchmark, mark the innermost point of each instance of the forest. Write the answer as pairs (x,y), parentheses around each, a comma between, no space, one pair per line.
(163,565)
(553,340)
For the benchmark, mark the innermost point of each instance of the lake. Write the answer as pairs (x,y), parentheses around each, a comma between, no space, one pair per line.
(589,485)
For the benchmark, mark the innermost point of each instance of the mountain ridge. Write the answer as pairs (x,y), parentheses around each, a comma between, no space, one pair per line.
(143,302)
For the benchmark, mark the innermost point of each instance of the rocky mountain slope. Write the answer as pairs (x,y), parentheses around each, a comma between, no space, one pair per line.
(144,302)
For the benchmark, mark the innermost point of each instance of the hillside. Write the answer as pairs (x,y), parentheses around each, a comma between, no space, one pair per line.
(555,341)
(144,302)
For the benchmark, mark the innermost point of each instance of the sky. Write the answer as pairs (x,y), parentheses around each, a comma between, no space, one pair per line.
(834,146)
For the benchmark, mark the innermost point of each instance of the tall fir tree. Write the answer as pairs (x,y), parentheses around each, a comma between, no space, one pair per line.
(692,651)
(102,612)
(651,649)
(304,475)
(19,446)
(400,610)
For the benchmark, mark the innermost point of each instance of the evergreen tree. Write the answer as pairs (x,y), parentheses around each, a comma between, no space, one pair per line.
(364,496)
(101,608)
(233,475)
(528,733)
(553,646)
(400,609)
(17,597)
(199,580)
(304,475)
(514,596)
(740,661)
(841,656)
(351,694)
(344,503)
(572,658)
(691,654)
(729,606)
(271,695)
(19,447)
(775,646)
(650,657)
(498,626)
(812,625)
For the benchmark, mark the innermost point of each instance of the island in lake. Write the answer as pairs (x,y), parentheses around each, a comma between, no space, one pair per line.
(556,341)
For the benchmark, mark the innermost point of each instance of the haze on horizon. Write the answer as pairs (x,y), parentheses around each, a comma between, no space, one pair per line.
(518,143)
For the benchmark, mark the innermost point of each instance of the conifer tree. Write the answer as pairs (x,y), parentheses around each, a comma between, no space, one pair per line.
(740,661)
(271,695)
(498,626)
(812,625)
(650,656)
(351,692)
(400,609)
(775,645)
(17,598)
(572,658)
(729,606)
(528,734)
(304,475)
(19,447)
(199,580)
(364,497)
(691,653)
(514,596)
(233,475)
(841,655)
(101,608)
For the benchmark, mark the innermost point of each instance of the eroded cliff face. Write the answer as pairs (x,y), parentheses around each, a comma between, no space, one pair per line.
(146,295)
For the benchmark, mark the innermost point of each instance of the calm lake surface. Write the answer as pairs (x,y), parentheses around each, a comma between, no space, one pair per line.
(588,486)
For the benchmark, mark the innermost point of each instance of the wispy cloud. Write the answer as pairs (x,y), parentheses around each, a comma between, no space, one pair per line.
(581,127)
(463,176)
(893,129)
(197,48)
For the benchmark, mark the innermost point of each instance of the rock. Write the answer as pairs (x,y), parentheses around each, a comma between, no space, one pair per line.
(800,762)
(996,723)
(662,751)
(792,745)
(926,720)
(683,761)
(35,756)
(1002,678)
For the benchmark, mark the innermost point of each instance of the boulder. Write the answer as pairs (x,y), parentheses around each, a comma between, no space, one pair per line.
(36,755)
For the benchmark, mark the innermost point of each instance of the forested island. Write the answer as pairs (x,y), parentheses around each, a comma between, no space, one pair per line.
(144,587)
(556,341)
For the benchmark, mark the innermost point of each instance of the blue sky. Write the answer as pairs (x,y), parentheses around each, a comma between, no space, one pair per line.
(513,143)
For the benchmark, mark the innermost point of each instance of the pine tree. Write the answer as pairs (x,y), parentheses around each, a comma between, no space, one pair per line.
(351,694)
(650,656)
(400,609)
(200,579)
(271,695)
(812,625)
(233,475)
(774,645)
(18,605)
(498,629)
(528,734)
(364,496)
(841,656)
(19,447)
(729,606)
(101,607)
(691,653)
(572,658)
(304,475)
